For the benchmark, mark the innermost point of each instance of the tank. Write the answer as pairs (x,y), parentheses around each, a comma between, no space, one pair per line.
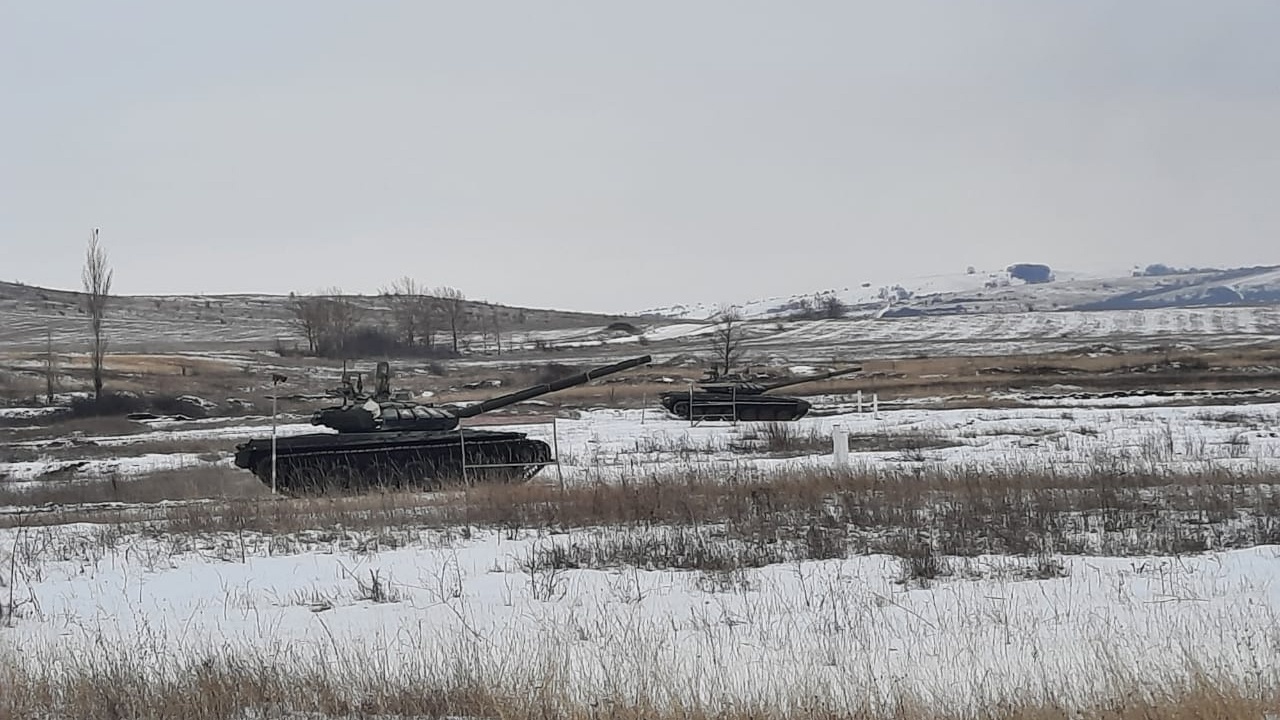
(732,398)
(385,442)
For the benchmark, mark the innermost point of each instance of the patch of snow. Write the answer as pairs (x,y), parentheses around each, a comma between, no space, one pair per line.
(30,412)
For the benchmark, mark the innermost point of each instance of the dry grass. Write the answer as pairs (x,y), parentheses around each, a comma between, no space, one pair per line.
(90,450)
(73,426)
(921,377)
(783,439)
(187,484)
(108,684)
(217,379)
(961,513)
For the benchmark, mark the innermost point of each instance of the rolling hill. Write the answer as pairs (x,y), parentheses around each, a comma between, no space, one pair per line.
(150,323)
(1000,292)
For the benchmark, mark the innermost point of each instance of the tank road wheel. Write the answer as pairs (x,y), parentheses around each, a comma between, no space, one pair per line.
(681,409)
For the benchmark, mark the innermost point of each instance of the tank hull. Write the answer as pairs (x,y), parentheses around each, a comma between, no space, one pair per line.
(726,406)
(327,462)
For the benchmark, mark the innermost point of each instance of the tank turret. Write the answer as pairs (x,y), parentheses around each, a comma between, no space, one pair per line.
(735,383)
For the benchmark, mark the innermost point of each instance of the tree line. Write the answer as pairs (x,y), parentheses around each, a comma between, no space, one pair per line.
(421,321)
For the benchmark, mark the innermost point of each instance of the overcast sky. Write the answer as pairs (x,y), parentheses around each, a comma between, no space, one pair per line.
(618,156)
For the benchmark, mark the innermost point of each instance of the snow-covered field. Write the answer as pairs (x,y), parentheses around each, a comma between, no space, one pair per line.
(998,291)
(495,606)
(840,631)
(614,444)
(987,334)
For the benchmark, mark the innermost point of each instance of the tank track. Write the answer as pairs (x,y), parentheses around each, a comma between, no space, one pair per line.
(317,464)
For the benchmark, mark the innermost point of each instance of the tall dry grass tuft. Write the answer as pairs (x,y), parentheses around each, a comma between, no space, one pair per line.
(220,686)
(831,513)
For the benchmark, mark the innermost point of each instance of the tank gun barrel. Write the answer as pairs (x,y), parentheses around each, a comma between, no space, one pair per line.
(566,382)
(814,378)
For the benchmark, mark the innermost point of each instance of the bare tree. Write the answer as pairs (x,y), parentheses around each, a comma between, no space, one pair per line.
(341,317)
(308,316)
(50,368)
(414,311)
(803,309)
(327,320)
(453,305)
(726,340)
(497,329)
(96,277)
(833,308)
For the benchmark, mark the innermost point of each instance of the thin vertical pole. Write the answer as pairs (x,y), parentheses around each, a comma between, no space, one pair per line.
(555,445)
(274,395)
(276,379)
(462,445)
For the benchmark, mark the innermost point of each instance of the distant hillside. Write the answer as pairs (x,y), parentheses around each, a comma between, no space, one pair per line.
(1000,292)
(192,322)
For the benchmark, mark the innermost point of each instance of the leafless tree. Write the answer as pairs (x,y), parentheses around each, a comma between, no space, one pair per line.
(726,340)
(833,308)
(453,305)
(327,320)
(497,329)
(803,309)
(342,315)
(96,277)
(308,316)
(50,368)
(414,311)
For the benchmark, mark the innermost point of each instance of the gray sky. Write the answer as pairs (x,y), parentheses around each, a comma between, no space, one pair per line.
(616,156)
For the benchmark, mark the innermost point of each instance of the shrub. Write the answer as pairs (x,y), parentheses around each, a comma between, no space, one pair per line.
(1031,272)
(107,403)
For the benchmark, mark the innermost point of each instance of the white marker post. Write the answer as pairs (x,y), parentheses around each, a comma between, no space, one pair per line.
(840,444)
(859,401)
(276,379)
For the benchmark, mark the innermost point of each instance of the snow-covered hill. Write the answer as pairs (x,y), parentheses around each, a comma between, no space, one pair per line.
(1000,292)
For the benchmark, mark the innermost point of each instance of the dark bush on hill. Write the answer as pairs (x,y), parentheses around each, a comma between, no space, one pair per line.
(1031,272)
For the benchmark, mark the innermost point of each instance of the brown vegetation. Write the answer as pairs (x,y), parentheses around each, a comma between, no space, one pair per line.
(206,482)
(967,381)
(223,685)
(961,513)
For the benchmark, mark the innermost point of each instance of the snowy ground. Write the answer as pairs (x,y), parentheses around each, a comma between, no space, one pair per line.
(987,334)
(619,443)
(998,291)
(434,603)
(843,630)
